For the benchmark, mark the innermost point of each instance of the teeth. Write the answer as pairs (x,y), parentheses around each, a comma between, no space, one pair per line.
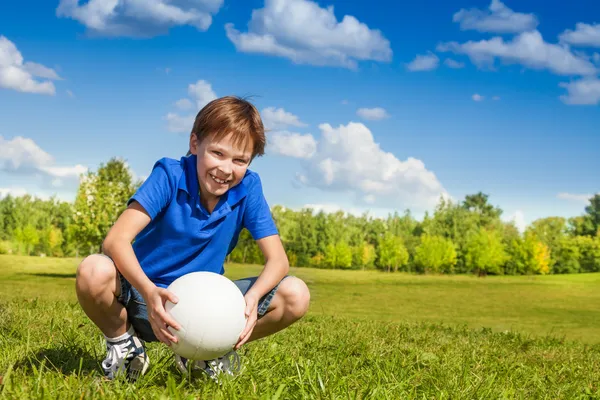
(218,180)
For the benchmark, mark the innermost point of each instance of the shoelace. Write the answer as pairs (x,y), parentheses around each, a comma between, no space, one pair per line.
(117,353)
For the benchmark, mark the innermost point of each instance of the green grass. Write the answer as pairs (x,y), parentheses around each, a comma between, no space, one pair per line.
(367,335)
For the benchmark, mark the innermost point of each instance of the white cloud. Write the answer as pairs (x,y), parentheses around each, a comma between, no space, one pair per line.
(18,75)
(179,123)
(184,104)
(200,93)
(477,97)
(305,33)
(139,18)
(583,35)
(584,91)
(70,93)
(425,62)
(453,63)
(528,49)
(292,144)
(499,19)
(518,218)
(23,156)
(14,192)
(579,198)
(496,98)
(278,118)
(347,159)
(372,114)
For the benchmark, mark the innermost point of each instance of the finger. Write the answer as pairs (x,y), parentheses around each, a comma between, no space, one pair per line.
(249,326)
(243,340)
(168,320)
(170,337)
(171,296)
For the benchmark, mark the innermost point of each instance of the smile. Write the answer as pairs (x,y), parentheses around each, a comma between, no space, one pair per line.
(219,181)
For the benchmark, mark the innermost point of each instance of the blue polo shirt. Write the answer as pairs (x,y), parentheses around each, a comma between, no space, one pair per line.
(183,236)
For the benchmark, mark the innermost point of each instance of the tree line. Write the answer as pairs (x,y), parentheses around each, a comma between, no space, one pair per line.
(468,236)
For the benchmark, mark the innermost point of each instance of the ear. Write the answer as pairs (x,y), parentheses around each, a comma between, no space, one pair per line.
(193,143)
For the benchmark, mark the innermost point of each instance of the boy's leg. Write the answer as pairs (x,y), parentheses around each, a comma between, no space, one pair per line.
(102,295)
(284,305)
(98,287)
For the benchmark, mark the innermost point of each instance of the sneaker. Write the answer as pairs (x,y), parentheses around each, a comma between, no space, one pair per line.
(229,364)
(125,356)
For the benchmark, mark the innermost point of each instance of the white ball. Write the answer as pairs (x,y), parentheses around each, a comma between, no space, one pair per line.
(210,313)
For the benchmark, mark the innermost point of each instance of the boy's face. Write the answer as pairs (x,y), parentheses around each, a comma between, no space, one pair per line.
(221,165)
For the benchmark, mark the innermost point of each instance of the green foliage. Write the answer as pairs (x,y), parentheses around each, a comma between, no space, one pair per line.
(485,252)
(392,253)
(101,198)
(435,254)
(398,242)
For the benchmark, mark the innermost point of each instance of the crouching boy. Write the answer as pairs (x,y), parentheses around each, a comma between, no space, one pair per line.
(187,217)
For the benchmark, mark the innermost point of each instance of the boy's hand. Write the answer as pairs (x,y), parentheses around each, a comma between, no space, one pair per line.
(158,317)
(251,318)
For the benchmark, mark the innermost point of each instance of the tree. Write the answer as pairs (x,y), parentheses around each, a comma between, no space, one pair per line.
(589,253)
(435,254)
(101,198)
(392,253)
(478,204)
(567,259)
(485,252)
(592,216)
(363,256)
(549,231)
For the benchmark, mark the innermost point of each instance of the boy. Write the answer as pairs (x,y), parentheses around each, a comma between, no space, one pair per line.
(187,217)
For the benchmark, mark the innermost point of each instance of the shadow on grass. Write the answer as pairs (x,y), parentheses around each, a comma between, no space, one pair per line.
(52,275)
(65,360)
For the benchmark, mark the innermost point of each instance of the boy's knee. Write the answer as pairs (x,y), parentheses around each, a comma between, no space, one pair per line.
(94,274)
(296,296)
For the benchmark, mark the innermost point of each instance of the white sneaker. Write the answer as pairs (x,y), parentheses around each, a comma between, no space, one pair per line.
(125,356)
(229,364)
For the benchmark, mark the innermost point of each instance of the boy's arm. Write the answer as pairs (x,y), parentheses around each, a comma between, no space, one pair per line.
(117,246)
(276,265)
(276,268)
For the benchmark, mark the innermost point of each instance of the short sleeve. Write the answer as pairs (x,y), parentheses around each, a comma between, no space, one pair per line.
(257,216)
(156,191)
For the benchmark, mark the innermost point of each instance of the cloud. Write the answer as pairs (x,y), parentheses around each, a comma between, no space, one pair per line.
(425,62)
(184,104)
(292,144)
(477,97)
(305,33)
(584,91)
(347,159)
(518,218)
(583,35)
(528,49)
(15,74)
(278,118)
(453,63)
(200,93)
(579,198)
(136,18)
(372,114)
(70,93)
(14,192)
(496,98)
(24,157)
(499,19)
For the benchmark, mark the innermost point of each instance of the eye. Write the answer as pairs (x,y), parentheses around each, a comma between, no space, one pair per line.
(241,161)
(218,153)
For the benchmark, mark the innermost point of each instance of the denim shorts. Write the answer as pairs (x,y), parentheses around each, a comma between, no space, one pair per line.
(137,313)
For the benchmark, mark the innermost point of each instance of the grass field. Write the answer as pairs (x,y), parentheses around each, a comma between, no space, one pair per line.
(367,335)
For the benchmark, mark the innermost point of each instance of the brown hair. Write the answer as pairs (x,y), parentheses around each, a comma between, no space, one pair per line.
(231,114)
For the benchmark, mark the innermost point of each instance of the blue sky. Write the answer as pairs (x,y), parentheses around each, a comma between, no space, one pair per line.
(371,106)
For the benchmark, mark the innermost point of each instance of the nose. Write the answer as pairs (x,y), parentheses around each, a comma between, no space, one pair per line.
(226,168)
